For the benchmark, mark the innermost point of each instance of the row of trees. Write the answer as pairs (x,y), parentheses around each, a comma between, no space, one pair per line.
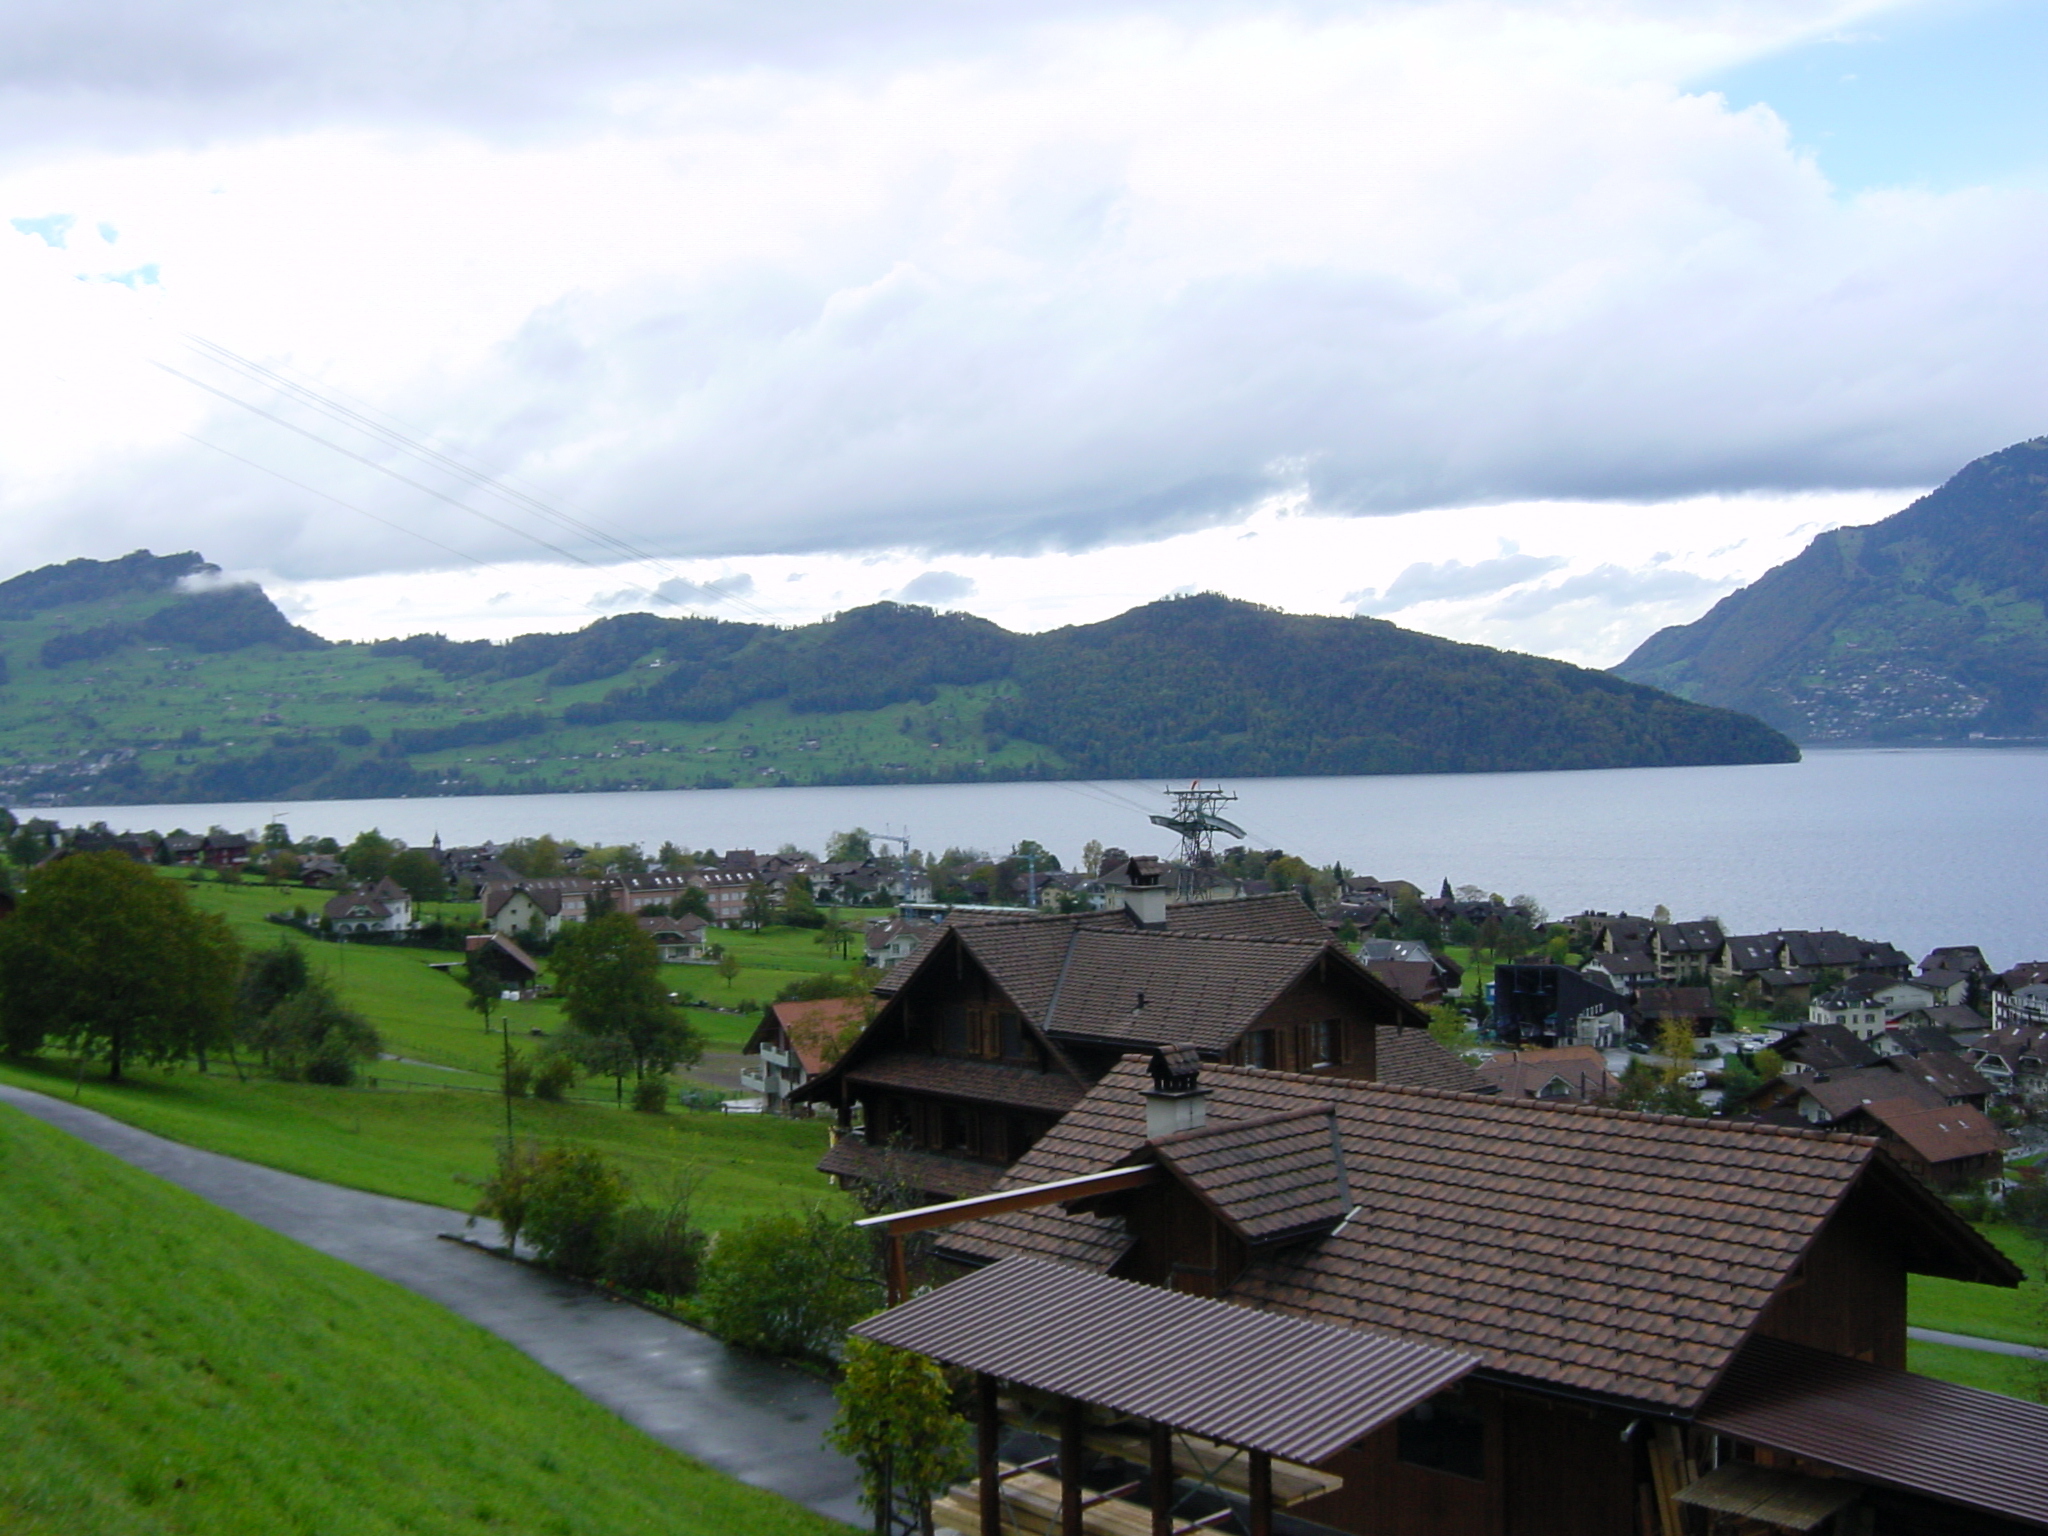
(112,962)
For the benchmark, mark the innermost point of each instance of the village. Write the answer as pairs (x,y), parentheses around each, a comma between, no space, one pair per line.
(1463,1218)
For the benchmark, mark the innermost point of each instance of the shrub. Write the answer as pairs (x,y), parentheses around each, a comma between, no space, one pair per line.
(896,1421)
(313,1036)
(656,1251)
(504,1196)
(789,1284)
(518,1076)
(555,1077)
(573,1199)
(650,1095)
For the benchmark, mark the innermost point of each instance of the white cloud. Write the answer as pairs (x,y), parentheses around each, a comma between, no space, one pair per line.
(936,589)
(935,282)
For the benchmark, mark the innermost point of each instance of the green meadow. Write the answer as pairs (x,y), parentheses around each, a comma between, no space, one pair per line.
(171,1368)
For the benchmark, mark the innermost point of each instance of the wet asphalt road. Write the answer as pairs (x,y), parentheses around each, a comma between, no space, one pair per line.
(749,1418)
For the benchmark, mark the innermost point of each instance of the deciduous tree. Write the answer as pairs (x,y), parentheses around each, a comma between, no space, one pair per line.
(608,973)
(113,961)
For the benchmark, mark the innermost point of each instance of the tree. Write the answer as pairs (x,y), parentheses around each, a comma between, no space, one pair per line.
(1449,1028)
(836,935)
(419,874)
(1091,858)
(728,968)
(537,858)
(368,858)
(690,901)
(896,1422)
(789,1283)
(573,1199)
(608,972)
(799,906)
(113,961)
(313,1036)
(852,847)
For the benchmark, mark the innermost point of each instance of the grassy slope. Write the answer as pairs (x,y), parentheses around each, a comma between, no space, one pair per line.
(1986,1311)
(172,1368)
(423,1129)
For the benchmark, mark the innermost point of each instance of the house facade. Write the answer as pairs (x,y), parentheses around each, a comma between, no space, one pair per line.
(382,907)
(996,1027)
(1641,1344)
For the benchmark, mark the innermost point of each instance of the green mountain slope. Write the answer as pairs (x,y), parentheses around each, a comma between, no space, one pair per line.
(1929,625)
(117,685)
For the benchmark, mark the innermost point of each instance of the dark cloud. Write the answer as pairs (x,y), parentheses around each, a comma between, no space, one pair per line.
(936,589)
(1426,583)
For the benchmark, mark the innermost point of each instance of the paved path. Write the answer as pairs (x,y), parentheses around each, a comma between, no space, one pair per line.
(759,1422)
(1968,1341)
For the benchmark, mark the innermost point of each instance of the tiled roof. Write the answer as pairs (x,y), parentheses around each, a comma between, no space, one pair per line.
(1948,1075)
(933,1172)
(1939,1132)
(1825,1047)
(1843,1094)
(1410,1056)
(1637,1279)
(1271,1180)
(814,1027)
(984,1082)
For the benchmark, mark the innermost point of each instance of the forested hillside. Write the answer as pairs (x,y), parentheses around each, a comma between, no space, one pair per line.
(124,683)
(1927,626)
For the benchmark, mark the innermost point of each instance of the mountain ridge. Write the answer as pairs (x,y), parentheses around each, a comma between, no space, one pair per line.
(127,684)
(1928,625)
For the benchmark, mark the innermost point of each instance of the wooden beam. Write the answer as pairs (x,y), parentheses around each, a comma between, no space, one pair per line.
(1162,1478)
(1073,1431)
(926,1217)
(899,1272)
(988,1432)
(1262,1494)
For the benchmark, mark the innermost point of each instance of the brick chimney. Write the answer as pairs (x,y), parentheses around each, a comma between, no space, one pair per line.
(1176,1101)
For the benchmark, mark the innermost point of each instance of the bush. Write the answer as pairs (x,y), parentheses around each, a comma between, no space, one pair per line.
(555,1077)
(650,1095)
(518,1076)
(789,1284)
(573,1199)
(313,1036)
(655,1251)
(504,1196)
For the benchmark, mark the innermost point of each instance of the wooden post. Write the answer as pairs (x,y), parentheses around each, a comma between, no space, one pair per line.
(899,1276)
(1262,1493)
(988,1428)
(1162,1479)
(1073,1425)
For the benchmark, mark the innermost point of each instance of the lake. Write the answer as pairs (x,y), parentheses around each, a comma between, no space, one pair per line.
(1919,846)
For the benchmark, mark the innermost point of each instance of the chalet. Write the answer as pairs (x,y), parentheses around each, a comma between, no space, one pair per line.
(320,871)
(1685,952)
(225,850)
(679,939)
(1621,973)
(1932,1029)
(996,1027)
(797,1041)
(885,943)
(1412,970)
(536,906)
(184,849)
(1948,1147)
(1443,1336)
(2014,1060)
(1693,1007)
(383,907)
(1824,1048)
(1540,1004)
(517,971)
(1568,1074)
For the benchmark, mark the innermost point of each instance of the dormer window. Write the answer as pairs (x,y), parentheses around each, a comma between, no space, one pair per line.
(1259,1048)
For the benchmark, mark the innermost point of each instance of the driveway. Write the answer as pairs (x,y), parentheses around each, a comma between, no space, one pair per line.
(754,1420)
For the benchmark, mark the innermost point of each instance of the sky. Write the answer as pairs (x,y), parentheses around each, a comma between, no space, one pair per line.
(1539,323)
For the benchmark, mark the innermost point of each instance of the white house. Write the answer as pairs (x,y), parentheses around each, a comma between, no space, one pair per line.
(381,908)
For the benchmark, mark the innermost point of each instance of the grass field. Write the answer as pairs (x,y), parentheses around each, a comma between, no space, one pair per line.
(420,1144)
(171,1368)
(1985,1311)
(1979,1368)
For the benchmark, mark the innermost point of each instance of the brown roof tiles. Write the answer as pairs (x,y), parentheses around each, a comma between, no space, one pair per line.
(1637,1280)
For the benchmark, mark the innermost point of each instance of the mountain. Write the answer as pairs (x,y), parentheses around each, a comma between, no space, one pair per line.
(118,683)
(1927,626)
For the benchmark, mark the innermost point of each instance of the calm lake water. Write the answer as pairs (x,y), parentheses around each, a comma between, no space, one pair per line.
(1921,847)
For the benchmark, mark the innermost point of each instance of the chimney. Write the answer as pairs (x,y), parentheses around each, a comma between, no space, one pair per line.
(1144,891)
(1176,1101)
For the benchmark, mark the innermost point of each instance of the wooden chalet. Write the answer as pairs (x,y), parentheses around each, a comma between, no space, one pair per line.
(996,1027)
(796,1041)
(1702,1318)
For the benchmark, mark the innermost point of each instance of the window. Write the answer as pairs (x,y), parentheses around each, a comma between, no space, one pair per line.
(1258,1048)
(957,1129)
(1446,1434)
(955,1030)
(1329,1043)
(1016,1045)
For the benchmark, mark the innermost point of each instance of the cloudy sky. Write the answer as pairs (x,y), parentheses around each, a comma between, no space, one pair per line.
(1540,323)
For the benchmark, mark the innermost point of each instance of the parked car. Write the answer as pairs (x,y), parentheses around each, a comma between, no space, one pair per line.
(1639,1047)
(1693,1079)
